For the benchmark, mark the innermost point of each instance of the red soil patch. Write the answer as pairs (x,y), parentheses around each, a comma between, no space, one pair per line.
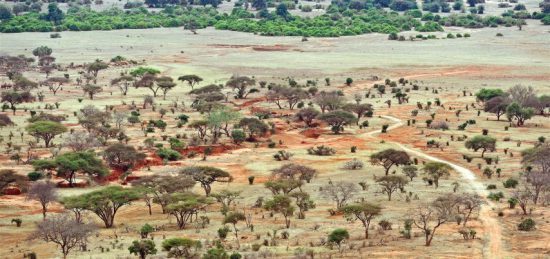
(276,47)
(312,133)
(12,190)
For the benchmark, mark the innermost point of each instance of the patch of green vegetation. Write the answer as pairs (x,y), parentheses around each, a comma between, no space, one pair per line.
(340,20)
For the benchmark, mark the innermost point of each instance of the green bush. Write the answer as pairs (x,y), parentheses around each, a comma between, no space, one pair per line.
(168,154)
(35,176)
(527,225)
(510,183)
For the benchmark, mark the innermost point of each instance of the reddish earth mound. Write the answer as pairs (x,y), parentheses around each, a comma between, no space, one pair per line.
(312,133)
(78,184)
(12,190)
(276,47)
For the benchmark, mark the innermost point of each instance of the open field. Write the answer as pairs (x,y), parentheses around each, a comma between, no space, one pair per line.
(450,71)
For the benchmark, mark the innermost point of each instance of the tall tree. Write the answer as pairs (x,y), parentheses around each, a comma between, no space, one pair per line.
(485,143)
(206,176)
(437,170)
(161,187)
(391,183)
(192,80)
(64,232)
(184,205)
(122,156)
(363,212)
(390,157)
(105,203)
(43,192)
(338,119)
(233,218)
(46,130)
(240,85)
(15,97)
(281,204)
(68,164)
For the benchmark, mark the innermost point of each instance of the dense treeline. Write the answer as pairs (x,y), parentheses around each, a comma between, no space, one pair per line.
(338,21)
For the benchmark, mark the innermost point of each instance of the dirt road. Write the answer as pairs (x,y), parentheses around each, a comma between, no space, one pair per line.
(493,247)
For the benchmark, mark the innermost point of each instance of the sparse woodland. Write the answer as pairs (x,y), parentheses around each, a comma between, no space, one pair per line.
(123,158)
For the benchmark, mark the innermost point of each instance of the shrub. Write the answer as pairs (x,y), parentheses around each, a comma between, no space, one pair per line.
(510,183)
(491,187)
(222,232)
(282,155)
(527,225)
(441,125)
(35,176)
(168,154)
(495,196)
(354,164)
(321,151)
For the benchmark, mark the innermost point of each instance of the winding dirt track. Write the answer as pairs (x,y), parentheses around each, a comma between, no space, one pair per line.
(493,234)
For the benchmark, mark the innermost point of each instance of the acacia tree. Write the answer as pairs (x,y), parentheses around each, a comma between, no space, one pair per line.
(142,248)
(340,192)
(64,232)
(360,109)
(467,204)
(181,247)
(76,205)
(92,90)
(206,176)
(192,80)
(184,205)
(233,218)
(483,142)
(519,113)
(254,126)
(96,66)
(46,130)
(122,156)
(429,218)
(219,120)
(337,120)
(68,164)
(329,101)
(43,192)
(159,188)
(295,172)
(437,170)
(303,202)
(539,183)
(390,157)
(307,115)
(497,105)
(240,85)
(391,183)
(165,84)
(123,83)
(486,94)
(281,204)
(337,237)
(410,171)
(363,212)
(81,141)
(15,97)
(537,158)
(226,197)
(106,202)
